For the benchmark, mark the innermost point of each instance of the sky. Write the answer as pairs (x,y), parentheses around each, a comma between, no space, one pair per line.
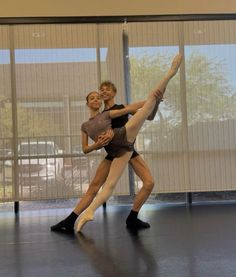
(224,53)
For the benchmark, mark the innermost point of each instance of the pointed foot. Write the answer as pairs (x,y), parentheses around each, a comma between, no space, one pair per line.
(84,218)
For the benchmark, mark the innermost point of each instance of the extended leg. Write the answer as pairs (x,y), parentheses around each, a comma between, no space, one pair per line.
(135,123)
(116,170)
(155,109)
(67,225)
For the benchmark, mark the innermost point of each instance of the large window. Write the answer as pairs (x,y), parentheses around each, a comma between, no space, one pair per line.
(190,146)
(211,104)
(47,70)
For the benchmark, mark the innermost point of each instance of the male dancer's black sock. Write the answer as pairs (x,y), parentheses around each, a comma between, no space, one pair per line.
(66,225)
(133,222)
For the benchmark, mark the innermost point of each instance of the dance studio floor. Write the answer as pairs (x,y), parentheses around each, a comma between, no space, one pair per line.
(196,241)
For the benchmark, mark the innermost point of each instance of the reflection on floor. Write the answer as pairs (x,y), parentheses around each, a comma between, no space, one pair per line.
(182,241)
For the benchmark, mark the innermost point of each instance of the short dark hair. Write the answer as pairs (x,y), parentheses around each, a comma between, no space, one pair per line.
(109,84)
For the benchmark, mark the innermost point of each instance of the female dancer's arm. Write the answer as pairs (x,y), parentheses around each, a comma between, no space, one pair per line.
(102,141)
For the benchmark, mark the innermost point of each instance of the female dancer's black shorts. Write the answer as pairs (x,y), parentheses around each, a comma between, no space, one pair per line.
(110,158)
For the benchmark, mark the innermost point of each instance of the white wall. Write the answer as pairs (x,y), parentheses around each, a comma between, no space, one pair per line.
(28,8)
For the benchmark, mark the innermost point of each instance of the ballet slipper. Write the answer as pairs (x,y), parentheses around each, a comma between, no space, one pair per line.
(84,218)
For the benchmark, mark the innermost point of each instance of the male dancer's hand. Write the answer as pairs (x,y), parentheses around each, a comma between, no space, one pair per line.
(106,137)
(159,95)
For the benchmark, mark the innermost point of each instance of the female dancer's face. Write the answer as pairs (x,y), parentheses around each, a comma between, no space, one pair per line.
(107,93)
(94,100)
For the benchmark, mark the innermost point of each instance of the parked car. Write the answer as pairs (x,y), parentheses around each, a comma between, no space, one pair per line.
(38,161)
(5,153)
(84,161)
(85,165)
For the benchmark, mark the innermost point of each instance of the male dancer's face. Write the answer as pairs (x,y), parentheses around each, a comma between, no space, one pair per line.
(107,93)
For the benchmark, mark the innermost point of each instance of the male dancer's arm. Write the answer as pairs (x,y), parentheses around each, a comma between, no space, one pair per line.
(128,109)
(154,111)
(135,106)
(102,141)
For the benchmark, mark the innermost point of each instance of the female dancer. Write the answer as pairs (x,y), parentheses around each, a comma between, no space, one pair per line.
(121,146)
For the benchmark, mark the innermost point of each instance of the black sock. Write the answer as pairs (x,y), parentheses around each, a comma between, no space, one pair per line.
(132,221)
(132,216)
(66,225)
(71,218)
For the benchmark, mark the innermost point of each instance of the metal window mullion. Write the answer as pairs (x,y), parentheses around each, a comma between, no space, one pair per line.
(184,112)
(126,63)
(98,55)
(72,166)
(14,116)
(29,169)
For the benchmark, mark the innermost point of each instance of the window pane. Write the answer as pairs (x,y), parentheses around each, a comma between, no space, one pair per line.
(152,46)
(56,66)
(211,103)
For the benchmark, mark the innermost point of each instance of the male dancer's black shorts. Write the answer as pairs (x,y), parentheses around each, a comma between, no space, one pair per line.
(110,158)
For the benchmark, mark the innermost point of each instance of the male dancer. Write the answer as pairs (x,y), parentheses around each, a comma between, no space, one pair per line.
(121,145)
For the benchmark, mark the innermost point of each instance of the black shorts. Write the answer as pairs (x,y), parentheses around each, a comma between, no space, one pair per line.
(110,158)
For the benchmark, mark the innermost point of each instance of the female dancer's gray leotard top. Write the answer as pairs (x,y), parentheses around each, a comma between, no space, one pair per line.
(101,123)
